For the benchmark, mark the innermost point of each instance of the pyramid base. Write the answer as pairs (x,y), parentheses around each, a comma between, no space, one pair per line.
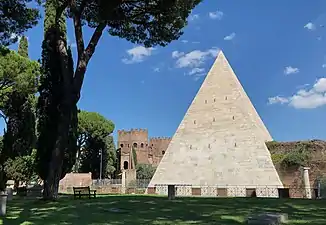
(217,191)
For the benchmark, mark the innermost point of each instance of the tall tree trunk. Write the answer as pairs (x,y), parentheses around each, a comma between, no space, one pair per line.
(66,107)
(51,183)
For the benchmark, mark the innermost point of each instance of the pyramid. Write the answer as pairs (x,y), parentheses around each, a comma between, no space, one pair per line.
(220,143)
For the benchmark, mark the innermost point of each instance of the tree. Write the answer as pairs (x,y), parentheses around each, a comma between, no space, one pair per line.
(145,171)
(94,136)
(19,137)
(16,18)
(150,22)
(23,47)
(21,168)
(17,74)
(52,165)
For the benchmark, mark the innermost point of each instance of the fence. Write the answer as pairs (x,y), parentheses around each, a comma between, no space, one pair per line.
(239,191)
(115,186)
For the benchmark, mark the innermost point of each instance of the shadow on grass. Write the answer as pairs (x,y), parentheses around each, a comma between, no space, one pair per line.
(158,210)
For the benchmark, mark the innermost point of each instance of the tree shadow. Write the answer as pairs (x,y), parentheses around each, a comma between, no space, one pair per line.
(159,210)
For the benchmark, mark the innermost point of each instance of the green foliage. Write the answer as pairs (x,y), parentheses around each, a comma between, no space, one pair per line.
(145,171)
(17,73)
(152,22)
(94,135)
(16,18)
(18,84)
(277,158)
(21,168)
(134,155)
(110,157)
(93,125)
(23,47)
(296,157)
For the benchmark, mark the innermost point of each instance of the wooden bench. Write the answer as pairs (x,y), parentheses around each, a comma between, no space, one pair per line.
(84,191)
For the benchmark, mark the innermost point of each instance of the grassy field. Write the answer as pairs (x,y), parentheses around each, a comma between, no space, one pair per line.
(148,210)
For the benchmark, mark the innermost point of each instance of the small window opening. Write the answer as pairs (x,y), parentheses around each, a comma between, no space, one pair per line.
(135,145)
(226,97)
(163,152)
(190,146)
(235,144)
(142,145)
(194,121)
(233,117)
(214,99)
(209,145)
(205,101)
(128,145)
(213,119)
(121,145)
(125,165)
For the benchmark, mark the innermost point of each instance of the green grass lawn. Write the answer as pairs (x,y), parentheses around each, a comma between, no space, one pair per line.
(148,210)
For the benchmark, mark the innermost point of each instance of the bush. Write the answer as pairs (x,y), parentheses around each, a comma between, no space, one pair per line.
(145,171)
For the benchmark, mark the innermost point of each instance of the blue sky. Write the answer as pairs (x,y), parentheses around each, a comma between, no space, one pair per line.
(276,48)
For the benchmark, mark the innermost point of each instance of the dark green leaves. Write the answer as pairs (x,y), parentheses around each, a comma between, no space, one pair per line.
(15,18)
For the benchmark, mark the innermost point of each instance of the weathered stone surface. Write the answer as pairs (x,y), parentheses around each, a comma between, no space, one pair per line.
(268,219)
(220,141)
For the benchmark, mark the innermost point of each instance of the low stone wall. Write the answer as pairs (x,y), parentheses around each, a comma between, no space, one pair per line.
(107,189)
(292,192)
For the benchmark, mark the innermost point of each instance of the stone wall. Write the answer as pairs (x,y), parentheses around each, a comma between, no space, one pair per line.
(290,157)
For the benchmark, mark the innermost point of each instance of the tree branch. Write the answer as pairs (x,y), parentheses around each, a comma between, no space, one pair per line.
(94,41)
(84,59)
(79,36)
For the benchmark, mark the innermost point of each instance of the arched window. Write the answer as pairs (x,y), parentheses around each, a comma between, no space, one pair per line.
(142,145)
(125,165)
(163,152)
(135,145)
(121,145)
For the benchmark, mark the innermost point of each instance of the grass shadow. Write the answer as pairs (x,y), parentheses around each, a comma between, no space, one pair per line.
(152,210)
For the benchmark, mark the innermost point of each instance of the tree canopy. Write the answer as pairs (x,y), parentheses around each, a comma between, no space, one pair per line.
(93,125)
(16,18)
(17,73)
(94,132)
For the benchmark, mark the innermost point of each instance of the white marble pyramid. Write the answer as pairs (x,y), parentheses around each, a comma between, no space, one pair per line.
(220,142)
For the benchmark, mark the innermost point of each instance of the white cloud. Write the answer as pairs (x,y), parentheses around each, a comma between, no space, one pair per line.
(310,26)
(194,58)
(305,98)
(216,15)
(277,99)
(196,71)
(291,70)
(184,41)
(229,37)
(194,17)
(137,54)
(177,54)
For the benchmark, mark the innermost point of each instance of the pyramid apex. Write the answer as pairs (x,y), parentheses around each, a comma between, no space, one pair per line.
(220,54)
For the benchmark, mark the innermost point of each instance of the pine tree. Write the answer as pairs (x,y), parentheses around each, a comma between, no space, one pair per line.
(51,166)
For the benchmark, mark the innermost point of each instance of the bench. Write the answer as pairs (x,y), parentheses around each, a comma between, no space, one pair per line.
(84,191)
